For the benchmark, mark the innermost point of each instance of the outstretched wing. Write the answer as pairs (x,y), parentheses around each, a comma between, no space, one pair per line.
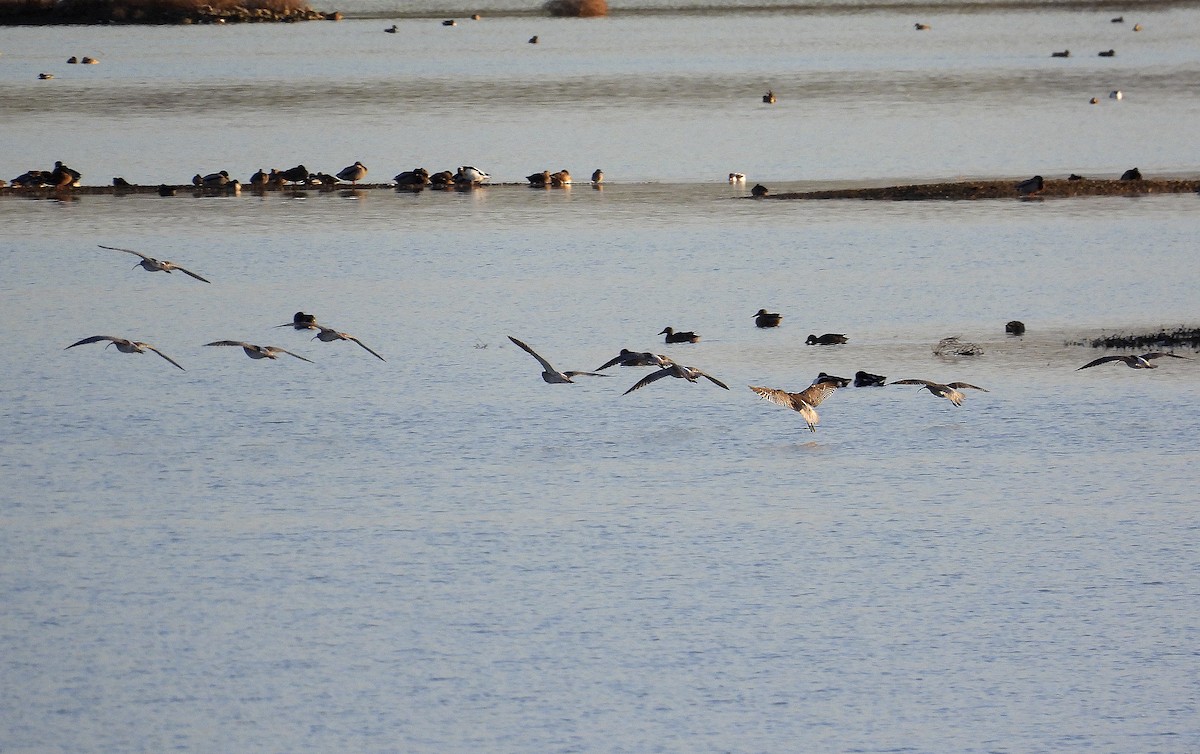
(813,395)
(961,385)
(127,251)
(238,343)
(289,353)
(794,401)
(776,396)
(545,364)
(926,383)
(364,345)
(1160,354)
(585,374)
(1102,360)
(652,377)
(93,339)
(611,362)
(712,379)
(186,271)
(149,347)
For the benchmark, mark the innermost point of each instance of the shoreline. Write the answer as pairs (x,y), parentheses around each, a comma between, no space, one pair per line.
(945,191)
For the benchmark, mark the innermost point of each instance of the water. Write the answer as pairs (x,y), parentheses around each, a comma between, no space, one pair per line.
(441,553)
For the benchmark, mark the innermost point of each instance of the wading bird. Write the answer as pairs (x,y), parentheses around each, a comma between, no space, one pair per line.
(1132,361)
(691,374)
(150,264)
(949,391)
(552,375)
(125,346)
(258,352)
(805,401)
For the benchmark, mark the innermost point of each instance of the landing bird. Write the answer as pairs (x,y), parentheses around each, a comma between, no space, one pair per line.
(627,358)
(691,374)
(150,264)
(805,402)
(679,337)
(302,321)
(125,346)
(765,319)
(1132,361)
(552,375)
(949,391)
(1031,186)
(258,352)
(328,335)
(353,173)
(828,339)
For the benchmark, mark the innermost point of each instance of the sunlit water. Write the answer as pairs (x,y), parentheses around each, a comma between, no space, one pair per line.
(442,553)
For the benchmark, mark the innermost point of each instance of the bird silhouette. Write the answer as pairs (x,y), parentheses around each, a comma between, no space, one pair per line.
(691,374)
(150,264)
(949,391)
(328,335)
(1132,361)
(552,375)
(258,352)
(125,346)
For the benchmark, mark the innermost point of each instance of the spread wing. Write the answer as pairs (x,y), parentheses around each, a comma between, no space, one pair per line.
(813,395)
(127,251)
(961,385)
(797,402)
(611,362)
(149,347)
(289,353)
(1102,360)
(778,397)
(238,343)
(545,364)
(364,345)
(1159,354)
(926,383)
(586,374)
(189,272)
(712,379)
(652,377)
(94,339)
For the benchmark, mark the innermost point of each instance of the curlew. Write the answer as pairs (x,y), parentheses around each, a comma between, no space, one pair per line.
(328,335)
(691,374)
(258,352)
(125,346)
(1133,361)
(949,391)
(627,358)
(805,402)
(552,375)
(150,264)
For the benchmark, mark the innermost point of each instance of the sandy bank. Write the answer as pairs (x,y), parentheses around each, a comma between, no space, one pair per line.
(1006,189)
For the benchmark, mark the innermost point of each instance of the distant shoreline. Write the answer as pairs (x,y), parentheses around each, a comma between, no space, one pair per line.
(951,191)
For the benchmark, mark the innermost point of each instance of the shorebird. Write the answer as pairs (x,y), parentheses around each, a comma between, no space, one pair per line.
(552,375)
(597,176)
(328,335)
(353,173)
(258,352)
(1132,361)
(261,178)
(1030,186)
(471,175)
(805,401)
(302,321)
(769,97)
(765,319)
(1015,327)
(691,374)
(125,346)
(949,391)
(866,379)
(627,358)
(679,337)
(150,264)
(828,339)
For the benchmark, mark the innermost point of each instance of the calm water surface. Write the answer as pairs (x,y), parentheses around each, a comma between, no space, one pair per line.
(441,553)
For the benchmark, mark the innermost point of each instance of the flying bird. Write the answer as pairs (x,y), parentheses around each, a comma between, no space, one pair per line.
(258,352)
(328,335)
(949,391)
(1132,361)
(150,264)
(805,401)
(679,337)
(627,358)
(125,346)
(302,321)
(691,374)
(552,375)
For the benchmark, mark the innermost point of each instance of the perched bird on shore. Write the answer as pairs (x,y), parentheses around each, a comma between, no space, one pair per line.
(866,379)
(539,180)
(1015,327)
(597,177)
(759,190)
(627,358)
(63,176)
(302,321)
(769,97)
(450,22)
(165,190)
(691,374)
(1132,361)
(441,178)
(550,374)
(150,264)
(1063,54)
(763,318)
(1075,177)
(949,391)
(298,174)
(414,177)
(1030,186)
(561,178)
(258,352)
(805,402)
(215,180)
(679,337)
(471,175)
(353,173)
(828,339)
(260,179)
(125,346)
(1132,174)
(328,335)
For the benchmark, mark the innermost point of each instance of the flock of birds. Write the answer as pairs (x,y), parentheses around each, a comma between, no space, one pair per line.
(804,402)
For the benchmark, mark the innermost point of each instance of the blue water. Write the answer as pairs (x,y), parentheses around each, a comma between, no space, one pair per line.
(442,553)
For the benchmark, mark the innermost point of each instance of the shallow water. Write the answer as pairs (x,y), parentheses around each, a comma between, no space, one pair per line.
(441,553)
